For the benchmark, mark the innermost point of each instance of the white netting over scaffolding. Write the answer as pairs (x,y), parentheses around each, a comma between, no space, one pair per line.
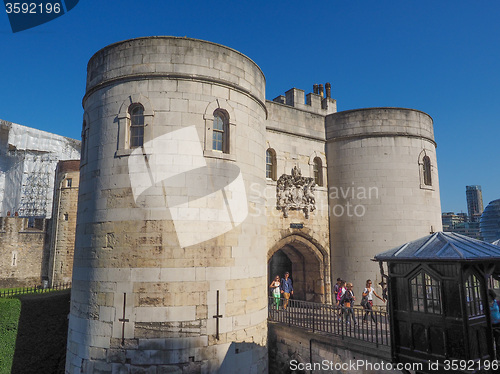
(28,159)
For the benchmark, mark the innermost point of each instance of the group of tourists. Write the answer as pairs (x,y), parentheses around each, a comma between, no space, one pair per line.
(280,287)
(345,298)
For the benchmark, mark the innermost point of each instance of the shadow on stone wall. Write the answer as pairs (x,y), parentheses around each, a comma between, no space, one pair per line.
(241,355)
(42,333)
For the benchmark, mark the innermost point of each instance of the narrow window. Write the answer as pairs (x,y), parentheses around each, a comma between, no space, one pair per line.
(35,223)
(85,133)
(271,164)
(425,294)
(427,171)
(318,171)
(66,216)
(220,132)
(136,112)
(14,258)
(69,182)
(31,222)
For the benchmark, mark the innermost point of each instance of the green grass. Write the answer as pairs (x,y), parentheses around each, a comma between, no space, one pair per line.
(26,291)
(10,289)
(10,309)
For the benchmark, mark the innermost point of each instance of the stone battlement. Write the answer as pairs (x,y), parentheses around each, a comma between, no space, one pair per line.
(319,101)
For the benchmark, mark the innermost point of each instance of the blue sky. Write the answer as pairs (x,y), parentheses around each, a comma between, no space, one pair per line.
(441,57)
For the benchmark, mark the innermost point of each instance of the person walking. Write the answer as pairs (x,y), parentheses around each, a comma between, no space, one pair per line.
(286,289)
(367,302)
(495,319)
(347,303)
(275,290)
(336,288)
(340,293)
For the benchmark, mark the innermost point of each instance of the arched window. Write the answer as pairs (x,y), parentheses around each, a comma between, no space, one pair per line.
(427,171)
(220,132)
(136,129)
(318,171)
(271,164)
(425,294)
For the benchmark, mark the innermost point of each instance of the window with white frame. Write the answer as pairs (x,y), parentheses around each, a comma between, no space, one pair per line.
(271,164)
(220,132)
(425,293)
(318,171)
(473,297)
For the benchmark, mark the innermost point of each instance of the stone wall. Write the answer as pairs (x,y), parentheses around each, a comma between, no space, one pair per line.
(293,348)
(173,236)
(172,233)
(23,250)
(297,136)
(378,198)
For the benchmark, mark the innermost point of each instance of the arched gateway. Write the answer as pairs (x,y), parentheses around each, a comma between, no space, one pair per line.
(308,264)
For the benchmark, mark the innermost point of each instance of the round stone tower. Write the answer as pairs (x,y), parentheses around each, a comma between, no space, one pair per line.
(170,255)
(383,186)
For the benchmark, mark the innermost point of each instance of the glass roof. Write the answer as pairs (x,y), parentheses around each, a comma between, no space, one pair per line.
(442,246)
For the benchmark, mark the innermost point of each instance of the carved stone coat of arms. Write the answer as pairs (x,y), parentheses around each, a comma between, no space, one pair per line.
(295,192)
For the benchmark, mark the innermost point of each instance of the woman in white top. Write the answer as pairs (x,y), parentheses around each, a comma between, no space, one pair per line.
(275,289)
(368,300)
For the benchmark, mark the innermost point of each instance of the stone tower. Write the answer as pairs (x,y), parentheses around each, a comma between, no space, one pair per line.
(62,235)
(170,255)
(383,185)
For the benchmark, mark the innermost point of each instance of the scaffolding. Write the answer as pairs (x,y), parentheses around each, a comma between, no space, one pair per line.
(28,160)
(37,184)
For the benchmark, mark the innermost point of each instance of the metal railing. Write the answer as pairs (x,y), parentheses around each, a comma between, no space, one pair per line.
(34,289)
(356,322)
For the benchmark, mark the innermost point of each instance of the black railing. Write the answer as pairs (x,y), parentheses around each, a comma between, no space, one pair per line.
(34,289)
(356,322)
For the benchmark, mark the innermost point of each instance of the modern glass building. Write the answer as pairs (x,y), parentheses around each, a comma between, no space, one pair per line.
(474,202)
(490,222)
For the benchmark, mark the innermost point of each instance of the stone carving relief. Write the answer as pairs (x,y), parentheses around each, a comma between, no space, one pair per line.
(295,192)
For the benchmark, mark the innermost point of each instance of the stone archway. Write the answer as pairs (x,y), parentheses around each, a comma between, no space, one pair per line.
(308,265)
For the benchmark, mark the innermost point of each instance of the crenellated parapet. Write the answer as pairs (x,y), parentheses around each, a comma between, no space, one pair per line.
(319,101)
